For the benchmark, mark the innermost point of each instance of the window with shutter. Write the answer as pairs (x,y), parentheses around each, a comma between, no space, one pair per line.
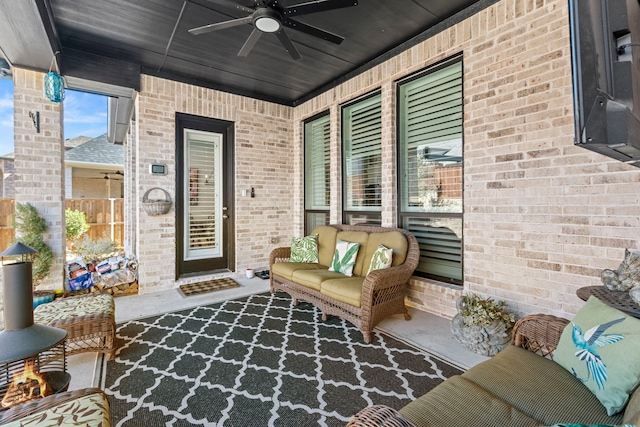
(317,171)
(362,161)
(430,151)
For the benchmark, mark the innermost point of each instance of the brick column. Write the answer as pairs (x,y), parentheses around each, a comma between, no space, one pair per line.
(39,163)
(389,214)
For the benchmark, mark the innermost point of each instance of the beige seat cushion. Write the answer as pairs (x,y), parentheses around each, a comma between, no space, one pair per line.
(534,385)
(90,410)
(392,239)
(458,402)
(346,289)
(356,237)
(286,269)
(326,243)
(313,278)
(65,308)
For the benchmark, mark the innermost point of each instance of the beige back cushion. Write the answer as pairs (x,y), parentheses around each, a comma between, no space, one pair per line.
(632,411)
(356,237)
(326,243)
(391,239)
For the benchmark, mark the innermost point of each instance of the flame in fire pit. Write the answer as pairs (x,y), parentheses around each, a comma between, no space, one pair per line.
(26,386)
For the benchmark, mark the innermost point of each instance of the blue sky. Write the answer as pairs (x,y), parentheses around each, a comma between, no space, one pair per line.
(84,114)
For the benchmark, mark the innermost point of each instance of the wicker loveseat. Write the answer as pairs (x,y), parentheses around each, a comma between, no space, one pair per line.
(363,299)
(518,387)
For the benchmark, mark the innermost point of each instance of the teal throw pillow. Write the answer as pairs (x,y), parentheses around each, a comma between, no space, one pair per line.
(600,347)
(344,258)
(381,258)
(304,249)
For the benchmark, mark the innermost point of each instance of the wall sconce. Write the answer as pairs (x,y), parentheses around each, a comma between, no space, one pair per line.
(35,117)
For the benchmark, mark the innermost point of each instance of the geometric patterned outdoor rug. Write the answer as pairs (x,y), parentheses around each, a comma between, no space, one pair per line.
(208,286)
(258,361)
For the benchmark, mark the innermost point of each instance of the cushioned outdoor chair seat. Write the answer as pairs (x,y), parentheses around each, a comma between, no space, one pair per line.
(286,269)
(88,319)
(517,366)
(85,407)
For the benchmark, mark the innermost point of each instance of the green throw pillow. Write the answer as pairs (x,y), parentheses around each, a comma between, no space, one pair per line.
(304,249)
(600,347)
(381,258)
(344,258)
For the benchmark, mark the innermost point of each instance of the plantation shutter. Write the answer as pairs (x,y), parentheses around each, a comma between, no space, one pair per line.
(317,163)
(431,142)
(204,169)
(362,124)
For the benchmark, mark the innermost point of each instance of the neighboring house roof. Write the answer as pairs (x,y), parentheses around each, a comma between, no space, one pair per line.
(68,145)
(74,142)
(97,151)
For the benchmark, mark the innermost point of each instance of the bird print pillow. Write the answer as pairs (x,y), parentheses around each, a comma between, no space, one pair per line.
(601,348)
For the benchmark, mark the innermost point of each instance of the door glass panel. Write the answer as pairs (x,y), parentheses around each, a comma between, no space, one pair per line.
(203,230)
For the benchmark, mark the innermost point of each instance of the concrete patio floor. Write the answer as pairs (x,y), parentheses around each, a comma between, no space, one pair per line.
(424,330)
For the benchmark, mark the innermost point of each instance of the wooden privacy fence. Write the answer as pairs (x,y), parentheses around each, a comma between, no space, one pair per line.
(105,218)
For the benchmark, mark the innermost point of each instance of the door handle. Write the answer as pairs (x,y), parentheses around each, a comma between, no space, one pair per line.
(225,216)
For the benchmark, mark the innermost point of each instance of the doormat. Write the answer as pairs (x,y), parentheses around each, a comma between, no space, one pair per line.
(207,286)
(259,361)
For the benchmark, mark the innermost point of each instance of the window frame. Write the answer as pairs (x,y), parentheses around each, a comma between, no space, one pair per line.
(307,212)
(402,215)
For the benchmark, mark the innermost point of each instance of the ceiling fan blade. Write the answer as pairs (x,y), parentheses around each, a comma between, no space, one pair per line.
(286,42)
(232,5)
(313,31)
(250,43)
(220,25)
(317,6)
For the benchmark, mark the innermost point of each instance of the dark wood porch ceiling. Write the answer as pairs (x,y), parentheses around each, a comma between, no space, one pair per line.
(151,36)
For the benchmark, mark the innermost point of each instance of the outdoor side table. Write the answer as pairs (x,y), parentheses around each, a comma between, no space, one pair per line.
(616,299)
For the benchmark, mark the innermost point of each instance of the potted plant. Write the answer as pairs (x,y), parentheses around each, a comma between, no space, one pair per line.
(482,325)
(30,228)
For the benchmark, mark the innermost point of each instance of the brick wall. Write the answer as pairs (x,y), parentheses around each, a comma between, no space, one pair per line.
(39,163)
(541,217)
(263,152)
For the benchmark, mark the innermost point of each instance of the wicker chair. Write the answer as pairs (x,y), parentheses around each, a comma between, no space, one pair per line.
(88,319)
(538,333)
(383,291)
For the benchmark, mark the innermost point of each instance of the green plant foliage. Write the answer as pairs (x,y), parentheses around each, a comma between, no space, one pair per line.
(484,311)
(30,228)
(27,220)
(76,224)
(96,249)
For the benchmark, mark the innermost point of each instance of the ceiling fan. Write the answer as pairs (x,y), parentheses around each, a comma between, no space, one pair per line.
(268,16)
(106,174)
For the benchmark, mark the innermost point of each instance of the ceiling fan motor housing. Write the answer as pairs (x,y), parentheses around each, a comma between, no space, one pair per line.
(267,20)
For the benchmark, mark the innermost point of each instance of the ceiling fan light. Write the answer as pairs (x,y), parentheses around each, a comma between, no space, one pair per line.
(267,24)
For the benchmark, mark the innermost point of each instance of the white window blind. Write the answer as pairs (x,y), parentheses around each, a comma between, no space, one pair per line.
(317,164)
(362,143)
(204,177)
(431,141)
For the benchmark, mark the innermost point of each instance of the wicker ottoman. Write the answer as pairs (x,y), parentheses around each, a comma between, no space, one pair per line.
(85,407)
(88,319)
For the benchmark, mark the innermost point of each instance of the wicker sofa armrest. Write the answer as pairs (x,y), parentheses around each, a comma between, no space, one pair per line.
(538,333)
(379,416)
(386,278)
(279,255)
